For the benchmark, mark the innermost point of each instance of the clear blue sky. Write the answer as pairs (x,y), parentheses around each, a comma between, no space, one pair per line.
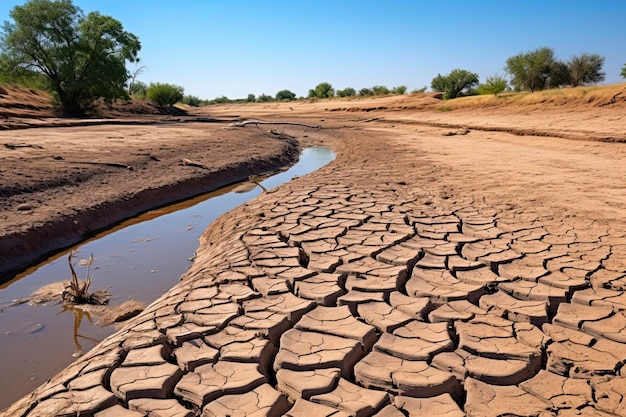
(235,47)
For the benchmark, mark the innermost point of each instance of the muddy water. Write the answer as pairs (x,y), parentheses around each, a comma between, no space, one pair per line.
(139,259)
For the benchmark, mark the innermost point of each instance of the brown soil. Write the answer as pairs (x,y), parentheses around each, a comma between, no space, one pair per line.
(561,151)
(68,178)
(64,179)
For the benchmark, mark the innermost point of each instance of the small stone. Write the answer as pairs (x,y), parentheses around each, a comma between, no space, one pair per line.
(24,207)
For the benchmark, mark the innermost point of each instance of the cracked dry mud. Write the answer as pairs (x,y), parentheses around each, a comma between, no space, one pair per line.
(363,292)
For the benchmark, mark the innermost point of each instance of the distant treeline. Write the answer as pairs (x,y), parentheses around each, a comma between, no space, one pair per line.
(528,71)
(80,58)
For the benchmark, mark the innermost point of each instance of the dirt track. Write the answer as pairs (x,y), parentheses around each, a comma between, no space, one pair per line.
(434,267)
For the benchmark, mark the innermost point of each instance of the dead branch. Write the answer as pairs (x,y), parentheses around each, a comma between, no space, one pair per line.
(108,164)
(194,164)
(259,122)
(13,146)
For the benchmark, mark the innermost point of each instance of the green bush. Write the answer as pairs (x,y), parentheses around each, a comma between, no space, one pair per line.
(138,89)
(264,98)
(221,100)
(251,98)
(165,94)
(380,90)
(322,90)
(346,92)
(285,95)
(192,101)
(458,83)
(495,84)
(365,92)
(401,90)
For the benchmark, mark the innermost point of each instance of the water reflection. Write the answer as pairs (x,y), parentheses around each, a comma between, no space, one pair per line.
(141,259)
(79,314)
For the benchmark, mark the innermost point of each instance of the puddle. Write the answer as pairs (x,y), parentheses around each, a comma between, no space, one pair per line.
(139,259)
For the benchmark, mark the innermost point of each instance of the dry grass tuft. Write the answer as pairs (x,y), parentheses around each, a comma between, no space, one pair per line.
(591,96)
(77,291)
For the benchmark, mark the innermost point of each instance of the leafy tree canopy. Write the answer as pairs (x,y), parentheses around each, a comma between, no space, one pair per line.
(83,57)
(285,95)
(539,69)
(322,90)
(365,92)
(165,94)
(455,84)
(251,98)
(623,73)
(536,70)
(586,69)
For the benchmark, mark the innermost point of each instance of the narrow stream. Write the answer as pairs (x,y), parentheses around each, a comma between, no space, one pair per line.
(139,259)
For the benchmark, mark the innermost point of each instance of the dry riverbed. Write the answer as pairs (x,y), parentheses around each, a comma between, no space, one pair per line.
(464,261)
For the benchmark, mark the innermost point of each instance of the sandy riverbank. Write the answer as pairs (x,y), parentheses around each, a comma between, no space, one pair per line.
(62,184)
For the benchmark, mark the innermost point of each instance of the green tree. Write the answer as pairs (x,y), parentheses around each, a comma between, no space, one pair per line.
(459,82)
(586,69)
(346,92)
(623,72)
(285,95)
(559,75)
(322,90)
(251,98)
(401,89)
(165,94)
(263,97)
(83,57)
(365,92)
(495,84)
(537,70)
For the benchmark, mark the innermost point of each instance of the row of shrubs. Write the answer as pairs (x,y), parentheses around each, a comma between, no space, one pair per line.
(168,94)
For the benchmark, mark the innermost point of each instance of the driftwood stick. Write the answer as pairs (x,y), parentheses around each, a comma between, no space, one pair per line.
(13,146)
(259,122)
(194,164)
(108,164)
